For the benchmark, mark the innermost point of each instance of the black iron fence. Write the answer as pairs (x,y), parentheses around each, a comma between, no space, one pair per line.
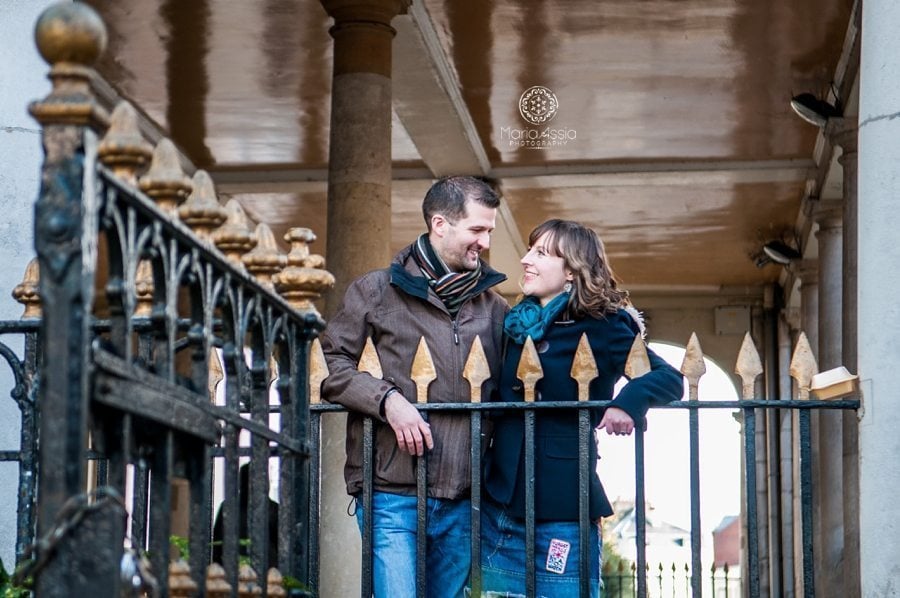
(24,370)
(669,580)
(624,581)
(633,583)
(146,294)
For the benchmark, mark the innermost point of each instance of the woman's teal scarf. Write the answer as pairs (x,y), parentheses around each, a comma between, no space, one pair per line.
(528,318)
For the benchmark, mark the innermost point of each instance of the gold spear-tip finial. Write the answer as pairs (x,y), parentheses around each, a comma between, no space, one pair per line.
(584,367)
(529,370)
(638,362)
(476,370)
(748,367)
(803,366)
(423,372)
(368,360)
(693,366)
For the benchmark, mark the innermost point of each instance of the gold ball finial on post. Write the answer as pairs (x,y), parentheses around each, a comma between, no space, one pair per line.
(70,36)
(166,182)
(70,32)
(305,279)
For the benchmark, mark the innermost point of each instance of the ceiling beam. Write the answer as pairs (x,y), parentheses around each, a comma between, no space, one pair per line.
(281,178)
(428,102)
(676,172)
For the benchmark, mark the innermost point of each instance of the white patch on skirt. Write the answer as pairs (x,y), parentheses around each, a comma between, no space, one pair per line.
(557,556)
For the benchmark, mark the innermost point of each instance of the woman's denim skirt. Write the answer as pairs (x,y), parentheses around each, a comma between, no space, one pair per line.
(556,555)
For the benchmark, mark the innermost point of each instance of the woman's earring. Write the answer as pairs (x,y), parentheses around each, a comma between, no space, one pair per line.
(567,287)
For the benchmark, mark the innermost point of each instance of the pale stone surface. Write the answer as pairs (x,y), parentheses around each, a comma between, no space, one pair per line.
(359,179)
(358,240)
(878,297)
(20,161)
(829,465)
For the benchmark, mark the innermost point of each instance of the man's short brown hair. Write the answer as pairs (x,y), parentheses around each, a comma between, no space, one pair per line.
(448,197)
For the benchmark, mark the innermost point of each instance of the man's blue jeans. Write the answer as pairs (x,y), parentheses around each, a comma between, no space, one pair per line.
(448,550)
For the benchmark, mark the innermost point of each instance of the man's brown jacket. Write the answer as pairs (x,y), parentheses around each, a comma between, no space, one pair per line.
(396,308)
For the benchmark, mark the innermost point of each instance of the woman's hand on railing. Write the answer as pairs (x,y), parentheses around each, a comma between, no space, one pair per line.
(617,422)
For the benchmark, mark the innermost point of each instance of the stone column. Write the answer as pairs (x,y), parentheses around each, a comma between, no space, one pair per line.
(843,134)
(359,230)
(808,272)
(767,478)
(829,576)
(878,296)
(359,159)
(786,468)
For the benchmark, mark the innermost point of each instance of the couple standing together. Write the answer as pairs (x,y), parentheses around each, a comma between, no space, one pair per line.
(438,288)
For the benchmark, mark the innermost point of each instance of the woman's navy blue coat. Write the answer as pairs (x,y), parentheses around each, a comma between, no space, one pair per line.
(556,433)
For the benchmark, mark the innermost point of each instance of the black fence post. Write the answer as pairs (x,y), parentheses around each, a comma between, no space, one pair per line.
(70,37)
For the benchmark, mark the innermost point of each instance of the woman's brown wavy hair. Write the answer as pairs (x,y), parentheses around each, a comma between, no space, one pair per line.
(595,289)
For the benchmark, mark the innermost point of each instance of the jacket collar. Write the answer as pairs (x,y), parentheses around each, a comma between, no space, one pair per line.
(406,276)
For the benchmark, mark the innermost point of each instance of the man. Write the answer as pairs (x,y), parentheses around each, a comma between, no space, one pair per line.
(437,288)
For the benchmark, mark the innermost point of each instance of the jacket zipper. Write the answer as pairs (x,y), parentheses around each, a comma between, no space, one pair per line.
(456,329)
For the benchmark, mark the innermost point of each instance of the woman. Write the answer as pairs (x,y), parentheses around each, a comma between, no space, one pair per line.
(570,290)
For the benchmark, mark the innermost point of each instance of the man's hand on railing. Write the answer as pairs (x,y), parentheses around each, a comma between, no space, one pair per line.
(616,422)
(408,425)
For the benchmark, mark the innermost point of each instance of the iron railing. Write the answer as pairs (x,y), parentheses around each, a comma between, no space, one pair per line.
(668,580)
(23,370)
(151,294)
(749,408)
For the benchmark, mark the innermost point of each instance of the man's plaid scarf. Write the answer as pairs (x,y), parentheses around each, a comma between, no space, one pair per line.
(453,288)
